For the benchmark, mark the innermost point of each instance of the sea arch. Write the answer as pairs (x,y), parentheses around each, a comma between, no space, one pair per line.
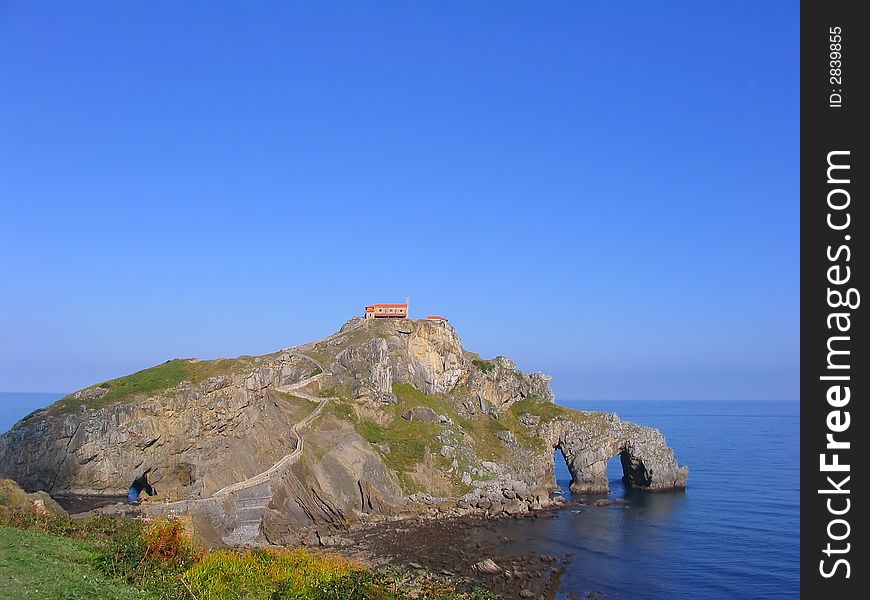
(648,463)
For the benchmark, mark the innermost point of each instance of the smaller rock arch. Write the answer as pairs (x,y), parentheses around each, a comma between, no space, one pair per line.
(139,485)
(647,461)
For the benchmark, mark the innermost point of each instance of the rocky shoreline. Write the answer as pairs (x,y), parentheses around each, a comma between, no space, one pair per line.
(469,550)
(463,549)
(466,550)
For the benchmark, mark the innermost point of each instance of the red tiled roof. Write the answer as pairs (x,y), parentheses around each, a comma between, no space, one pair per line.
(387,306)
(436,318)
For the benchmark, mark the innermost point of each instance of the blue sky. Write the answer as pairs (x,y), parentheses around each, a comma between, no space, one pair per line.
(605,193)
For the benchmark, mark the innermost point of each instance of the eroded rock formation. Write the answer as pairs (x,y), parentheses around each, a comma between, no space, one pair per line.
(647,461)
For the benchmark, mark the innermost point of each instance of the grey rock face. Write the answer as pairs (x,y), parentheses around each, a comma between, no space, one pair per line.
(330,492)
(496,388)
(369,365)
(487,566)
(530,420)
(194,439)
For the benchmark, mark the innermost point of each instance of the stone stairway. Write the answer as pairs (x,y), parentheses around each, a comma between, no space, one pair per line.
(250,505)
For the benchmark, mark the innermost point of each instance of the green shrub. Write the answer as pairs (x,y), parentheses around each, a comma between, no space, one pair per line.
(484,365)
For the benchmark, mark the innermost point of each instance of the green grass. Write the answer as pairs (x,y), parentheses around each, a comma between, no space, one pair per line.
(342,410)
(484,365)
(484,430)
(408,440)
(38,565)
(409,397)
(320,357)
(304,406)
(107,558)
(266,574)
(156,379)
(335,391)
(548,411)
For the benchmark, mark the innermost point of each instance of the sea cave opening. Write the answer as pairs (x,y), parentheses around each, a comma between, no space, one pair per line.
(139,485)
(560,470)
(614,473)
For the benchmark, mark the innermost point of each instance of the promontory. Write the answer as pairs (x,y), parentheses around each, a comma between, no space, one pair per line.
(384,419)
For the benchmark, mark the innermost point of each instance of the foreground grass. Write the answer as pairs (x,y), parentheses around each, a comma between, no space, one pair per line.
(104,558)
(266,574)
(38,565)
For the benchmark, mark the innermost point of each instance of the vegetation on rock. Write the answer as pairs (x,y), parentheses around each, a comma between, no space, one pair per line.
(484,365)
(150,381)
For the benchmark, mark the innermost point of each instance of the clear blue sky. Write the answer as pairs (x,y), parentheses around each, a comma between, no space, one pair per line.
(607,193)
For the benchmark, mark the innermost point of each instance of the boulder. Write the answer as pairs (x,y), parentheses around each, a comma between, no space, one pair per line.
(421,413)
(487,566)
(15,500)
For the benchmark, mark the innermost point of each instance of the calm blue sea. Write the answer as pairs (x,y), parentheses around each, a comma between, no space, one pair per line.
(733,533)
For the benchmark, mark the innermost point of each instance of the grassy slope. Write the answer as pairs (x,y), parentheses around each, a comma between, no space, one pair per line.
(302,407)
(38,565)
(157,378)
(407,440)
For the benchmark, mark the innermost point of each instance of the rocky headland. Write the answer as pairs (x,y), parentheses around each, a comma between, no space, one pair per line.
(384,420)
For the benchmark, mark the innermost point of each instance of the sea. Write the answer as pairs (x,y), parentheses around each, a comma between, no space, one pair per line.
(733,533)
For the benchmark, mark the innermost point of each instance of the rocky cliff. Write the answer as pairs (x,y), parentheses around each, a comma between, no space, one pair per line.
(385,417)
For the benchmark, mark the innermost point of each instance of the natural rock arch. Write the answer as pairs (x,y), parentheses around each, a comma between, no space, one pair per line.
(647,461)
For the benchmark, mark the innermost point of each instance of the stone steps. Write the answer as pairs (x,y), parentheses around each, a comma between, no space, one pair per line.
(250,505)
(244,535)
(252,502)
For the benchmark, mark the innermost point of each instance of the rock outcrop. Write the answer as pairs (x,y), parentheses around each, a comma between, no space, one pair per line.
(15,500)
(384,418)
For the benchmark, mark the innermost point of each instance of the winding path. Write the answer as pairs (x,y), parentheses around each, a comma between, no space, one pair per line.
(253,494)
(295,430)
(282,462)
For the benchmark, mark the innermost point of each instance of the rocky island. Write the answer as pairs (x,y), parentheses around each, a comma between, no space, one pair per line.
(385,419)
